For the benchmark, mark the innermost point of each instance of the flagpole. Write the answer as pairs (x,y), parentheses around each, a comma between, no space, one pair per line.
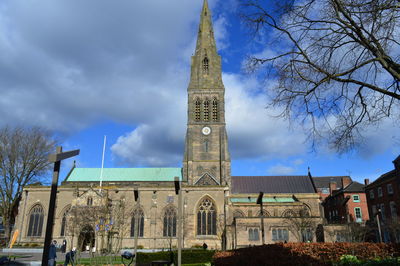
(102,161)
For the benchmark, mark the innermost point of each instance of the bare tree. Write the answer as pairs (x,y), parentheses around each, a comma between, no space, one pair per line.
(23,160)
(302,225)
(337,62)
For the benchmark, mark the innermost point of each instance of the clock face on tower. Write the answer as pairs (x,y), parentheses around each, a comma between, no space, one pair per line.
(206,131)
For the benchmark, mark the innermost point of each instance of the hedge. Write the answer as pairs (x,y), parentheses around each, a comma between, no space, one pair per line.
(304,253)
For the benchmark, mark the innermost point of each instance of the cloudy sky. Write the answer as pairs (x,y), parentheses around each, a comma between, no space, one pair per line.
(85,69)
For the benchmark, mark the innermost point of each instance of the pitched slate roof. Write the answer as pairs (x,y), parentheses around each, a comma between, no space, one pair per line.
(124,174)
(354,187)
(383,178)
(272,184)
(323,181)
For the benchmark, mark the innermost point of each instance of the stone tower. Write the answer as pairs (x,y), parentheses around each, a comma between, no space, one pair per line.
(206,160)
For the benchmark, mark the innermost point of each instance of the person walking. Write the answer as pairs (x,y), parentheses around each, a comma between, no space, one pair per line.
(53,253)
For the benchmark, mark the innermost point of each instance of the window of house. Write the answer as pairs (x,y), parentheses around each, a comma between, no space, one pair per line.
(373,210)
(380,192)
(325,190)
(280,235)
(254,234)
(357,214)
(382,210)
(371,194)
(356,198)
(393,210)
(389,189)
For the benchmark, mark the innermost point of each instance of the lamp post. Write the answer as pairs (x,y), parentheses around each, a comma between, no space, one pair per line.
(137,199)
(260,201)
(379,225)
(178,191)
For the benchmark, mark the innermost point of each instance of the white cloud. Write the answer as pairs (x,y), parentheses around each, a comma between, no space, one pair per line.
(281,170)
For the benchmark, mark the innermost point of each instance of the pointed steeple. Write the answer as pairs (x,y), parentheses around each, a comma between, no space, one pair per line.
(206,63)
(205,37)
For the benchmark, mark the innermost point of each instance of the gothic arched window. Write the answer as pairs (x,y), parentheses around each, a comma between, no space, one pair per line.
(64,223)
(138,215)
(205,65)
(206,218)
(215,110)
(265,213)
(197,105)
(169,228)
(206,110)
(36,221)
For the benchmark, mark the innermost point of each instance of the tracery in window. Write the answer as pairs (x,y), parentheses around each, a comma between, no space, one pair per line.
(36,221)
(205,65)
(169,228)
(206,111)
(206,218)
(215,110)
(197,110)
(64,223)
(138,215)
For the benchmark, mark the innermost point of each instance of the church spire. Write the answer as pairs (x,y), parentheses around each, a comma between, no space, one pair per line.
(206,63)
(205,37)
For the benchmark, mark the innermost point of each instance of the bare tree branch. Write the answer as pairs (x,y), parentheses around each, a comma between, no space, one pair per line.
(337,62)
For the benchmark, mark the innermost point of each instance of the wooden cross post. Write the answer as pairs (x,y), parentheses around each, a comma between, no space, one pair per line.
(56,159)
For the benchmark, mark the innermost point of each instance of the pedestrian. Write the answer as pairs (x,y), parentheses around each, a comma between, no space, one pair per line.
(205,246)
(64,246)
(52,253)
(70,257)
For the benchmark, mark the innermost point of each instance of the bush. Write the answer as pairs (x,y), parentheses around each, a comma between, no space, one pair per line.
(305,254)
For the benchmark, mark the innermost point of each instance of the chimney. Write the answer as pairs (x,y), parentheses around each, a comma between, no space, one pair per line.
(346,180)
(366,181)
(332,186)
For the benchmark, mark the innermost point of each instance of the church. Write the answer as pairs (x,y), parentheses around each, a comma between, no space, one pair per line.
(218,209)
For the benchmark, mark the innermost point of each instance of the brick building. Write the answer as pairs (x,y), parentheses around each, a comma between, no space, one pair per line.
(346,204)
(383,197)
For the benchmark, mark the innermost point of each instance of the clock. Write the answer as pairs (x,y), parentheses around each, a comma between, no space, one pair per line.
(206,131)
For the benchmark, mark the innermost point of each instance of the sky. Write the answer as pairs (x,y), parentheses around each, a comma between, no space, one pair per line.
(86,69)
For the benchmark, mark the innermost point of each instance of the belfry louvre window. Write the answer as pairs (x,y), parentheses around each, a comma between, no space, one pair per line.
(197,110)
(169,222)
(205,65)
(206,218)
(206,110)
(36,221)
(138,215)
(215,110)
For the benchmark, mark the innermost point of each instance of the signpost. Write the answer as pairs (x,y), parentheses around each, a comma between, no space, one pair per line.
(260,201)
(56,159)
(178,191)
(137,199)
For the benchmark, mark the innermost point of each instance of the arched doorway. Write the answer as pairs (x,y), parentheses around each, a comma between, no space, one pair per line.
(86,238)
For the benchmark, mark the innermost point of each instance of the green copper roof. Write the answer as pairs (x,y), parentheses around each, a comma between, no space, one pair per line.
(254,200)
(124,174)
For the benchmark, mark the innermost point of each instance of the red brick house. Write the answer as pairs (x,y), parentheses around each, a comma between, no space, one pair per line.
(326,184)
(347,204)
(383,197)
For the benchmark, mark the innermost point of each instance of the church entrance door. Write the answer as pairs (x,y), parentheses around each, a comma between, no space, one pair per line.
(86,238)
